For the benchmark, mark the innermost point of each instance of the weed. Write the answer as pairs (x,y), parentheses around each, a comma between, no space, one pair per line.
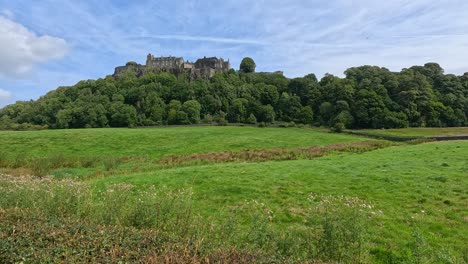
(111,163)
(4,160)
(40,167)
(19,161)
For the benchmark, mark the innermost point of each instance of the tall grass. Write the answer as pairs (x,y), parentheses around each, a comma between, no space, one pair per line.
(335,230)
(43,166)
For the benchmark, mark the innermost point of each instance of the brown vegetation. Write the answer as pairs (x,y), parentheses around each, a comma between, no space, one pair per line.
(273,154)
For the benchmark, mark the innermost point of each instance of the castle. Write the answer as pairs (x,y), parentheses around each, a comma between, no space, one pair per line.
(204,68)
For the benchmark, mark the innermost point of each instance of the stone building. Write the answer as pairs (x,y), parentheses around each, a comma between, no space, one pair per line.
(204,68)
(164,63)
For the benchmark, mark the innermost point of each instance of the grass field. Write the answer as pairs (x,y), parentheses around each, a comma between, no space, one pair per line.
(419,132)
(300,196)
(424,185)
(158,142)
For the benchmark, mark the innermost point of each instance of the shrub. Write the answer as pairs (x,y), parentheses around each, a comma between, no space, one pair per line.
(208,119)
(251,119)
(222,122)
(291,124)
(338,128)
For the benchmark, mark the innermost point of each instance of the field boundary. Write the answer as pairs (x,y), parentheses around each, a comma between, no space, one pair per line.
(406,138)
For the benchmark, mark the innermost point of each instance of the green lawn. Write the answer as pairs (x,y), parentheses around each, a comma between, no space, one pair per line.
(418,186)
(419,132)
(158,142)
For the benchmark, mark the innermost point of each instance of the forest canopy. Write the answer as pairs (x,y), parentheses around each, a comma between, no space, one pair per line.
(366,97)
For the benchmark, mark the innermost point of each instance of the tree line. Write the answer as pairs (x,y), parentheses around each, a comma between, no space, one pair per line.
(366,97)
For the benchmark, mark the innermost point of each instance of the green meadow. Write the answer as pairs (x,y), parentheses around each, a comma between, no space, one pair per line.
(419,131)
(231,195)
(158,142)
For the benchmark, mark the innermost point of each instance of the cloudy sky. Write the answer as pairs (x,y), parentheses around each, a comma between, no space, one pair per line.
(49,43)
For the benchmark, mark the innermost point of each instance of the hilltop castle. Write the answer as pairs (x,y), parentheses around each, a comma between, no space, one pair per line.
(204,68)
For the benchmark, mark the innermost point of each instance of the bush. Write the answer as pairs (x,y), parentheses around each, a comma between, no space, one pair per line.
(338,128)
(251,119)
(222,122)
(291,124)
(208,119)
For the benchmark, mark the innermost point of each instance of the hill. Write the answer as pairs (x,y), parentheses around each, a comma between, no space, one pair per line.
(367,97)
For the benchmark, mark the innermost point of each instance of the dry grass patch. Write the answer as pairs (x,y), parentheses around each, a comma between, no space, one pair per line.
(273,154)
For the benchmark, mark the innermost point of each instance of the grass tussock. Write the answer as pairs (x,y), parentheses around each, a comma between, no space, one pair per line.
(273,154)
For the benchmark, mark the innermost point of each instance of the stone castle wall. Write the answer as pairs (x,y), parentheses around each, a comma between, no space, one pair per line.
(204,68)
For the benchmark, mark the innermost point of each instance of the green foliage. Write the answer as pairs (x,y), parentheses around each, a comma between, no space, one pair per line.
(247,65)
(192,108)
(368,97)
(131,63)
(338,127)
(252,119)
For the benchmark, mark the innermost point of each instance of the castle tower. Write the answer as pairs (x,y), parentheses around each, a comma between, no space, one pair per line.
(149,60)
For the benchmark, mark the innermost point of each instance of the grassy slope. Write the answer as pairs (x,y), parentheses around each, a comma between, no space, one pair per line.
(158,142)
(423,186)
(419,132)
(401,181)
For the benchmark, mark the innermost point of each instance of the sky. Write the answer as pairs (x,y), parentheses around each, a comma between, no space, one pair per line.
(45,44)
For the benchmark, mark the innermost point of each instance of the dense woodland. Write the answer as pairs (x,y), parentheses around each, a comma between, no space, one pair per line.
(367,97)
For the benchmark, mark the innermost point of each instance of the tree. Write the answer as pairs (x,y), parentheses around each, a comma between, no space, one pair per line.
(247,65)
(122,115)
(192,108)
(266,114)
(306,115)
(290,107)
(326,112)
(306,88)
(367,97)
(237,110)
(176,116)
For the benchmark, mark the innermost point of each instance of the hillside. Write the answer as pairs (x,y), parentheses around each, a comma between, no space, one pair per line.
(367,97)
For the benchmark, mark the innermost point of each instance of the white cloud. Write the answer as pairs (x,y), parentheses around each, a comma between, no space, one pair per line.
(21,49)
(5,96)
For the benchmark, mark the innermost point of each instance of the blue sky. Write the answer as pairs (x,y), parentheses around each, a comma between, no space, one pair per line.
(49,43)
